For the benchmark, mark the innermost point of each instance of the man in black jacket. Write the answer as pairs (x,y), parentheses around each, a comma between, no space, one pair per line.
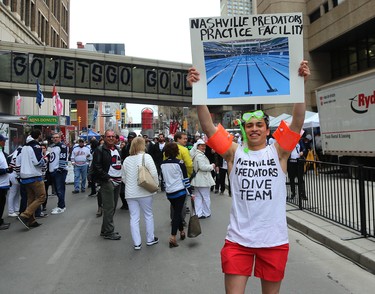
(107,172)
(156,151)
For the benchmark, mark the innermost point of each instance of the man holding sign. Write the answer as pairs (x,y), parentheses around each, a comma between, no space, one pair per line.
(257,235)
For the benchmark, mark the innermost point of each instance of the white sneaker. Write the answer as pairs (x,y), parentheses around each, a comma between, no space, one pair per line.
(58,210)
(13,214)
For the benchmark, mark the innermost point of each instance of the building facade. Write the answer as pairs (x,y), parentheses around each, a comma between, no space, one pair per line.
(38,22)
(237,7)
(339,40)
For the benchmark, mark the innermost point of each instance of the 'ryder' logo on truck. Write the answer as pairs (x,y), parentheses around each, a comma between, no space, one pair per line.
(362,103)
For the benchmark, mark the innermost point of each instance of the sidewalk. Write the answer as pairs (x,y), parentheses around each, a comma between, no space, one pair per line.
(340,239)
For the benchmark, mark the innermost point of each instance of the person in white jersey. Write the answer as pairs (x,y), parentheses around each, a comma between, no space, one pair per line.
(257,235)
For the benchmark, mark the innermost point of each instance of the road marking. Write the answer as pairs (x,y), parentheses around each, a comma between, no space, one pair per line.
(66,243)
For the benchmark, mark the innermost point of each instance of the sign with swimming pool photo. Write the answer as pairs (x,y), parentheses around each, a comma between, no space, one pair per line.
(251,59)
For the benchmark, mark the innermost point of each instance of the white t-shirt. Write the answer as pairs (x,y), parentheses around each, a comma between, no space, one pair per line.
(258,213)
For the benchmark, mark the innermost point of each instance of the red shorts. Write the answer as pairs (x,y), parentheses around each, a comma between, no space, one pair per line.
(270,262)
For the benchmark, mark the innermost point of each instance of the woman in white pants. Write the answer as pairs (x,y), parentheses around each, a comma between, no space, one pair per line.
(138,198)
(203,180)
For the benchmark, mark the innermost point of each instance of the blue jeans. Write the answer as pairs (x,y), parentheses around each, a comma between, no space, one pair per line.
(80,173)
(59,179)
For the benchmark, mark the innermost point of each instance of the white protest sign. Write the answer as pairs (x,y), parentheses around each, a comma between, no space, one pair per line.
(250,59)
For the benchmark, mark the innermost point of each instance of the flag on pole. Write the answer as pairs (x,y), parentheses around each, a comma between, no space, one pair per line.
(57,103)
(39,95)
(18,104)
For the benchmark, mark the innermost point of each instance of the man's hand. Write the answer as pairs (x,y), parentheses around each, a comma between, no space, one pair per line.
(304,70)
(193,76)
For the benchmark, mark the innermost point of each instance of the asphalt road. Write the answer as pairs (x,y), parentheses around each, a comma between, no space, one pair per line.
(66,255)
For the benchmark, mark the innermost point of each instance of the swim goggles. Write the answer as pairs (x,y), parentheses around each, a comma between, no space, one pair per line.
(258,114)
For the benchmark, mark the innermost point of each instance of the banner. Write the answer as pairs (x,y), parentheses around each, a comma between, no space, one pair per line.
(250,59)
(39,95)
(57,103)
(18,104)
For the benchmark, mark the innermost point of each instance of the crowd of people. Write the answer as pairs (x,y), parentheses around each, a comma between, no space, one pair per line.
(107,167)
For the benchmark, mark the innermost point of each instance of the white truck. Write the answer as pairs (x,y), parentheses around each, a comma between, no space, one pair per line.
(347,118)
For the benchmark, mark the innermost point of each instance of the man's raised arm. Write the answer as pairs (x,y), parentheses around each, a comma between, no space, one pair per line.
(299,109)
(204,116)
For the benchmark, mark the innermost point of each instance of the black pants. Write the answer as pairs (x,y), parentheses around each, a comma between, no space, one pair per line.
(3,194)
(177,205)
(293,174)
(220,181)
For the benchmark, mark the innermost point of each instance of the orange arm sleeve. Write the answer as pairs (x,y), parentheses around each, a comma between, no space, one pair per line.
(221,140)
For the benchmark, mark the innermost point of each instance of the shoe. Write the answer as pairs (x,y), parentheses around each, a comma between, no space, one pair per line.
(172,243)
(202,217)
(83,191)
(13,214)
(34,225)
(138,247)
(75,192)
(42,215)
(99,213)
(208,216)
(24,221)
(112,237)
(4,226)
(182,235)
(44,209)
(155,241)
(216,191)
(58,210)
(92,194)
(114,233)
(221,193)
(124,207)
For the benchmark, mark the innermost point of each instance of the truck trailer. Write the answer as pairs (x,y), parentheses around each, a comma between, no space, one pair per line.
(347,119)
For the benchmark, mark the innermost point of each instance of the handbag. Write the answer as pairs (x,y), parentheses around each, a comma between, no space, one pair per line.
(194,227)
(145,179)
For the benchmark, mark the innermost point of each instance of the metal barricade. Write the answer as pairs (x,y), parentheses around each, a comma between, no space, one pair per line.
(341,193)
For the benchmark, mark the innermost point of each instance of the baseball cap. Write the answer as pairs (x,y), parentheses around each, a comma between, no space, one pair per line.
(2,138)
(132,135)
(200,142)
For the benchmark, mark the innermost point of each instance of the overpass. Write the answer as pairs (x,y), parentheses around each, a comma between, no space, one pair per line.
(85,75)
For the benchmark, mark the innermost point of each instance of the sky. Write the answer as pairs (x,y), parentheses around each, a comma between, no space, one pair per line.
(154,29)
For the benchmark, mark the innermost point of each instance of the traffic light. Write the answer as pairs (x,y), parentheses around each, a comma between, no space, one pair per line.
(79,119)
(118,114)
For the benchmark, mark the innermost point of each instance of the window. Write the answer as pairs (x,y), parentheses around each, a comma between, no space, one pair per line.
(315,15)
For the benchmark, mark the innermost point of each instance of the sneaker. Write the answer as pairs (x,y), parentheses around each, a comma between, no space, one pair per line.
(138,247)
(153,242)
(42,215)
(34,225)
(4,226)
(92,194)
(112,237)
(58,210)
(24,221)
(216,191)
(75,192)
(13,214)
